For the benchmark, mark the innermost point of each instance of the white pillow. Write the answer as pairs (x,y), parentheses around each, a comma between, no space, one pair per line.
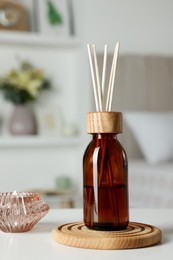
(154,134)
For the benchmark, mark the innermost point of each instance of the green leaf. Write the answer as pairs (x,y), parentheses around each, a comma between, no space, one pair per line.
(16,96)
(54,15)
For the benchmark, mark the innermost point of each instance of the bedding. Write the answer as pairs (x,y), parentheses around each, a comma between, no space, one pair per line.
(150,186)
(151,177)
(145,83)
(153,133)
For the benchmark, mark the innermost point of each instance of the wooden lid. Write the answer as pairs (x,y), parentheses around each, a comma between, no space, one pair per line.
(104,122)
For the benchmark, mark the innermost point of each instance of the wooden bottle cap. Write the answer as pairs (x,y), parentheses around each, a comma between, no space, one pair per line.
(104,122)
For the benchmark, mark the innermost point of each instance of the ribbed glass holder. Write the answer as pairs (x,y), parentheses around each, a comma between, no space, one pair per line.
(20,211)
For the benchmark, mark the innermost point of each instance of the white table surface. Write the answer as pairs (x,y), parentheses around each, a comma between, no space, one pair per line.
(38,244)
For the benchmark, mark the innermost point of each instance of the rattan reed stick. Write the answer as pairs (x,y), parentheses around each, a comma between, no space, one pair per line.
(97,87)
(93,78)
(104,71)
(97,78)
(112,79)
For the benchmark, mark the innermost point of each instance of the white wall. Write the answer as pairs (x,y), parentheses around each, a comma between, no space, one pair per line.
(140,26)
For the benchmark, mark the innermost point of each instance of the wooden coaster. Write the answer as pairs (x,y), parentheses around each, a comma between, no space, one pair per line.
(136,235)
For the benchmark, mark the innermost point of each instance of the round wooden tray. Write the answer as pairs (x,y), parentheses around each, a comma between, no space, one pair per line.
(136,235)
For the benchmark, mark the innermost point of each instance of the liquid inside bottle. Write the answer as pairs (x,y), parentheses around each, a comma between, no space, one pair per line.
(105,170)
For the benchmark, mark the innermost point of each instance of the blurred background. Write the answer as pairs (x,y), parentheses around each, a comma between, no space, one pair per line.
(41,149)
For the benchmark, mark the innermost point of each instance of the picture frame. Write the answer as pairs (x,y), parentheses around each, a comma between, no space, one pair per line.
(30,6)
(53,17)
(49,121)
(13,16)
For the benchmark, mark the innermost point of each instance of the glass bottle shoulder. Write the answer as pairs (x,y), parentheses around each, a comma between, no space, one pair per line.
(110,140)
(108,143)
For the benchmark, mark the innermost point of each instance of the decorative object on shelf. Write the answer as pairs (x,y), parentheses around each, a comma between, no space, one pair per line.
(13,16)
(20,211)
(23,121)
(21,86)
(71,130)
(53,17)
(53,14)
(50,121)
(64,183)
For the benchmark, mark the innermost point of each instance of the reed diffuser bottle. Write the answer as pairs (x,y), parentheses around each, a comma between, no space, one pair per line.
(105,170)
(105,166)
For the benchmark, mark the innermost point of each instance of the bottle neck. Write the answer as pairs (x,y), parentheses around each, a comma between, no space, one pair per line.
(107,136)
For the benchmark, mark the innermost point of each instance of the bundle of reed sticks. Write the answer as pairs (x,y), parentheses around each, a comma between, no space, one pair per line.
(99,85)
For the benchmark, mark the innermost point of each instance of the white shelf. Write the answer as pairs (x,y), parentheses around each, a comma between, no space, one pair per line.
(37,141)
(30,38)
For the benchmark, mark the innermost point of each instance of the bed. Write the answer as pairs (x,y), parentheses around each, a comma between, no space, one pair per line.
(150,186)
(151,170)
(144,93)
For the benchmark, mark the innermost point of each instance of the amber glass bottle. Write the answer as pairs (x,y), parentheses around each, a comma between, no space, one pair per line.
(105,170)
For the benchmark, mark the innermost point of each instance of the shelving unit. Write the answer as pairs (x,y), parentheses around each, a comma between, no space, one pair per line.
(39,141)
(34,162)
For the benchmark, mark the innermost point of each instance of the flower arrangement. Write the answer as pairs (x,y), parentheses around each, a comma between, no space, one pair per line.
(23,84)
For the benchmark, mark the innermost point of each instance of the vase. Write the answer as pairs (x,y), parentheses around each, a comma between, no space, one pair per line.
(22,121)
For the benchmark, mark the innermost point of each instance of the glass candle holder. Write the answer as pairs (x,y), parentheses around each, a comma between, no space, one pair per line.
(20,211)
